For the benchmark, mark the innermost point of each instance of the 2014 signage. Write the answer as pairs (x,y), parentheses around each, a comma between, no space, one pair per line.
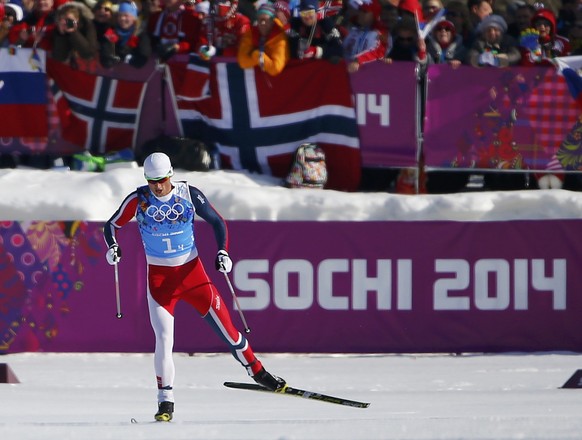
(457,284)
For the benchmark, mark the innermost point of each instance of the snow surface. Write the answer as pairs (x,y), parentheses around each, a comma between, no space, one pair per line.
(95,396)
(77,195)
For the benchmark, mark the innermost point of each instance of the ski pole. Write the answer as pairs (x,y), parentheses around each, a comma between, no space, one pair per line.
(242,317)
(117,296)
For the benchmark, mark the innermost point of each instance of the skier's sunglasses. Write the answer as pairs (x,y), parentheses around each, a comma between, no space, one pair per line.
(162,180)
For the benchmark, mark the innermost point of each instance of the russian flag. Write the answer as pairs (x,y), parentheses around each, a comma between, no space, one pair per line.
(23,93)
(570,68)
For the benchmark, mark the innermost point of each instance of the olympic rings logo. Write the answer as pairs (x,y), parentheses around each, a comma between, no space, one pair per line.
(165,211)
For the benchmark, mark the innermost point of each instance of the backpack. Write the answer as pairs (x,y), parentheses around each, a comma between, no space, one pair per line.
(309,169)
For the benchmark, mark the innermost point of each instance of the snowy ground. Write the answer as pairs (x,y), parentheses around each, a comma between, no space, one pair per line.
(95,396)
(76,195)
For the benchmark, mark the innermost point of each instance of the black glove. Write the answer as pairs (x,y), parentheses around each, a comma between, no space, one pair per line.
(166,51)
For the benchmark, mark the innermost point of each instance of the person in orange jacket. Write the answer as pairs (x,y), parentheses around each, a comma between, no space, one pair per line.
(265,44)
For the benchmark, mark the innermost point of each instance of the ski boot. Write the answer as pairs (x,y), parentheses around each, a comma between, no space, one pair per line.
(165,411)
(269,381)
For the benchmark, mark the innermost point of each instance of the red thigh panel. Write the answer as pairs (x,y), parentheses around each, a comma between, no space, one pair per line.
(189,282)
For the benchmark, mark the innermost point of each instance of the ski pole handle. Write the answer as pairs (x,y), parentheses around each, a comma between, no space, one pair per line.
(119,315)
(242,317)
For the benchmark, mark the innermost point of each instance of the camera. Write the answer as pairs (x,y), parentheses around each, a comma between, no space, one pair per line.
(70,23)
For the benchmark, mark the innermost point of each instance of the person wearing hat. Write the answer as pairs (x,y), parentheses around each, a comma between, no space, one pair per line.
(75,36)
(36,28)
(313,35)
(265,44)
(367,38)
(443,45)
(222,31)
(540,44)
(493,47)
(174,29)
(127,41)
(283,13)
(165,209)
(102,19)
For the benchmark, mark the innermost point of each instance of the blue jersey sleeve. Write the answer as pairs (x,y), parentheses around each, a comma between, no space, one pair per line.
(207,212)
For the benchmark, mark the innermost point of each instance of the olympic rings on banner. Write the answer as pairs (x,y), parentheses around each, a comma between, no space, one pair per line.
(165,211)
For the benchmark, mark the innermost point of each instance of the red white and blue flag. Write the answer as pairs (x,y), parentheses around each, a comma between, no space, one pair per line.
(257,121)
(98,113)
(190,80)
(23,93)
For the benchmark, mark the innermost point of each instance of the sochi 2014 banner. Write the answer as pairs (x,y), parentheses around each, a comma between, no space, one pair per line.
(23,93)
(388,111)
(515,118)
(334,287)
(257,121)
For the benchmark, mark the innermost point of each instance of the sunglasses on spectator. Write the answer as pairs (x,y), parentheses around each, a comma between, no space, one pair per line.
(307,13)
(442,29)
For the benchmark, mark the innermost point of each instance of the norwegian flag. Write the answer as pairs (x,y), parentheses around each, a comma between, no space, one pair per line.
(99,114)
(190,80)
(258,121)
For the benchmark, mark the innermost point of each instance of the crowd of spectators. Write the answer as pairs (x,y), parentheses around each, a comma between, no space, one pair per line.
(268,33)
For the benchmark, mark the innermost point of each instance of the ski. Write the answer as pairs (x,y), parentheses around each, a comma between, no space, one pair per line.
(297,392)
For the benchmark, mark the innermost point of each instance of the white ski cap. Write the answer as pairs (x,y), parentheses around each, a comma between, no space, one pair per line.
(157,166)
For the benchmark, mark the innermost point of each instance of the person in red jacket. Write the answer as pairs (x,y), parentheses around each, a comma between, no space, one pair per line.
(36,30)
(223,29)
(174,29)
(367,39)
(541,44)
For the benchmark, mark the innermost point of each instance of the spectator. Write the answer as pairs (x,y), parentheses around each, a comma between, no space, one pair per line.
(522,14)
(126,42)
(478,10)
(566,16)
(389,17)
(102,19)
(283,13)
(367,38)
(314,38)
(493,47)
(36,29)
(223,30)
(75,35)
(9,15)
(202,9)
(411,9)
(445,46)
(265,44)
(407,44)
(540,45)
(173,29)
(430,8)
(457,13)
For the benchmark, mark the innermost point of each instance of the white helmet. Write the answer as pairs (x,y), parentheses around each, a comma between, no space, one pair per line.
(157,166)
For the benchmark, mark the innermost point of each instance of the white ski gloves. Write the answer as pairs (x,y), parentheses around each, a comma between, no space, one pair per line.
(223,262)
(113,254)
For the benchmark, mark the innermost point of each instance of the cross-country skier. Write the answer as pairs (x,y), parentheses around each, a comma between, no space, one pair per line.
(165,210)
